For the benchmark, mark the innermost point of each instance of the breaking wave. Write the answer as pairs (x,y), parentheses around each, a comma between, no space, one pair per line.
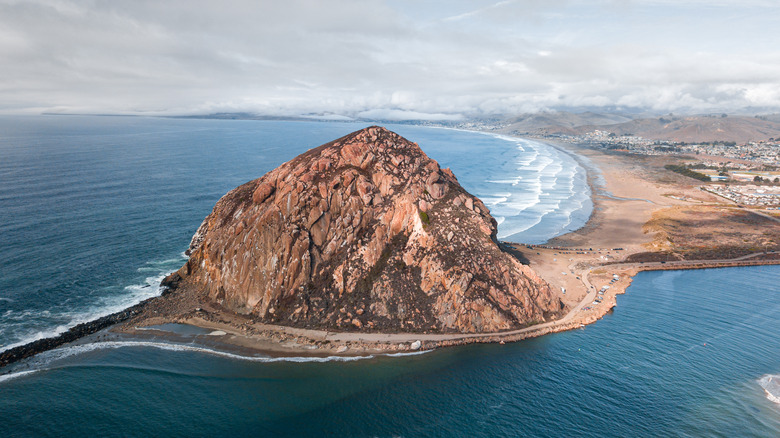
(771,385)
(58,322)
(46,360)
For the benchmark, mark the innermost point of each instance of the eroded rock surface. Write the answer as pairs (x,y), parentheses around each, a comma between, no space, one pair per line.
(363,233)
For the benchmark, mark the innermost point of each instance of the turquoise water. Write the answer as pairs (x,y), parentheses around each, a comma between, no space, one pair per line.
(94,210)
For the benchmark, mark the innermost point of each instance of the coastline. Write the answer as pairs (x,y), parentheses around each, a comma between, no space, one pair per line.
(239,334)
(580,262)
(577,261)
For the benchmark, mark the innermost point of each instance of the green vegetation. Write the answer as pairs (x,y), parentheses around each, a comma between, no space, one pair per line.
(424,217)
(768,180)
(710,143)
(683,170)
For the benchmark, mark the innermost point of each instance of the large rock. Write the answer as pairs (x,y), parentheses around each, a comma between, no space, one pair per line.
(364,233)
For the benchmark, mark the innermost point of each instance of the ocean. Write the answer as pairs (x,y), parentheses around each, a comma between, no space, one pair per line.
(95,210)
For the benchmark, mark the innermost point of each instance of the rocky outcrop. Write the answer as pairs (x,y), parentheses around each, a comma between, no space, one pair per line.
(363,233)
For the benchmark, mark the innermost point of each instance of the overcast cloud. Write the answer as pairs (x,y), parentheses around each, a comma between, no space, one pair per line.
(401,59)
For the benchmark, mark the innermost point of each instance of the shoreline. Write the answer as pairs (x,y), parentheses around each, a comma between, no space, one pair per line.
(297,344)
(573,262)
(608,180)
(283,341)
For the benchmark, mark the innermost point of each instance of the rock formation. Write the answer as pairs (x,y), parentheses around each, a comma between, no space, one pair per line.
(363,233)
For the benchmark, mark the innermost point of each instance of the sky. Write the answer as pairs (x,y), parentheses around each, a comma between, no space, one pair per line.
(403,59)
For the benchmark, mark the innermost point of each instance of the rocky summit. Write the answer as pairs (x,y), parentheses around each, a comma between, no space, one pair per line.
(365,233)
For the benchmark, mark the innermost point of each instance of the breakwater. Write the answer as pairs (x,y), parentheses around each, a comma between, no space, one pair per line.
(74,333)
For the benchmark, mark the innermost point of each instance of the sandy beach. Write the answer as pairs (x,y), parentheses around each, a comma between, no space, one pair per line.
(589,266)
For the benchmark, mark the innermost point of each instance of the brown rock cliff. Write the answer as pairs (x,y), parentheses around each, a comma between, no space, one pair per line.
(363,233)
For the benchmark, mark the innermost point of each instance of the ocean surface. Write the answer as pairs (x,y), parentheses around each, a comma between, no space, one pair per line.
(95,210)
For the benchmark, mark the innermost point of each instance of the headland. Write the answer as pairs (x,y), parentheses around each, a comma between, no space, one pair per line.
(645,218)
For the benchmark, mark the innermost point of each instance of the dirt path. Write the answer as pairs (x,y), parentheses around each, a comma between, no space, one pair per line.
(572,319)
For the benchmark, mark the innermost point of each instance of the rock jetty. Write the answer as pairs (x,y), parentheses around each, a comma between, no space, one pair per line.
(74,333)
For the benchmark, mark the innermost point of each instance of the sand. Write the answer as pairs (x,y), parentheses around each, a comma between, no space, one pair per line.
(626,195)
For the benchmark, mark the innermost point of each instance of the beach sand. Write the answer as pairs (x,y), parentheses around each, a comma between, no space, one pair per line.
(627,191)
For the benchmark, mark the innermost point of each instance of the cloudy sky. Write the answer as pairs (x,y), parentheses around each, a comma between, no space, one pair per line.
(392,58)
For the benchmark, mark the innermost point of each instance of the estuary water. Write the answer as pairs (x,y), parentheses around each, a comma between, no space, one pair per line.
(95,210)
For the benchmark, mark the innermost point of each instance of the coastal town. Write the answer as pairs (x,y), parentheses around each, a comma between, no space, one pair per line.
(746,174)
(758,154)
(755,153)
(747,195)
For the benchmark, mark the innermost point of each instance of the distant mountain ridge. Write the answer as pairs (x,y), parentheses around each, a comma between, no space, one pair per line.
(561,122)
(688,129)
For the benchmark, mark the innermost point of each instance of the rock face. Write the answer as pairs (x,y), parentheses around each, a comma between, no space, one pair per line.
(363,233)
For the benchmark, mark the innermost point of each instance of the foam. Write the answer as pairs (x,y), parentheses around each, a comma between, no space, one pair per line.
(526,226)
(552,169)
(496,199)
(517,229)
(46,358)
(550,184)
(513,181)
(11,376)
(85,348)
(44,361)
(520,205)
(167,261)
(38,335)
(771,385)
(540,164)
(134,294)
(405,354)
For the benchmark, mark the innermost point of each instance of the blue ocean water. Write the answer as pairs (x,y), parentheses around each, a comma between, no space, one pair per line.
(534,191)
(94,210)
(642,371)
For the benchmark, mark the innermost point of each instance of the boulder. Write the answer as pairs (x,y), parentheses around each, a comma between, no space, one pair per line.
(363,233)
